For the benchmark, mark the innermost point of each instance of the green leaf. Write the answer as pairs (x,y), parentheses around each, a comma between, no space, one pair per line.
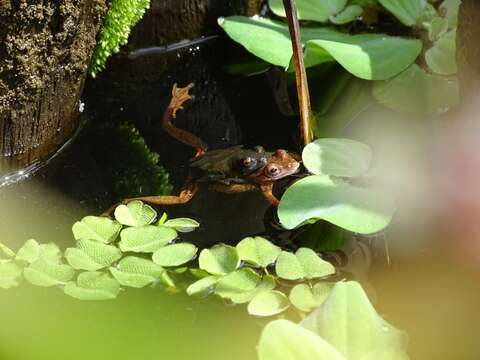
(183,225)
(135,213)
(147,239)
(6,251)
(258,251)
(93,286)
(236,283)
(267,283)
(10,274)
(437,27)
(407,11)
(338,157)
(356,209)
(348,14)
(203,286)
(45,273)
(440,57)
(268,303)
(175,255)
(311,9)
(348,322)
(368,56)
(219,260)
(416,92)
(136,272)
(92,255)
(285,340)
(96,228)
(306,299)
(450,9)
(162,219)
(31,251)
(305,263)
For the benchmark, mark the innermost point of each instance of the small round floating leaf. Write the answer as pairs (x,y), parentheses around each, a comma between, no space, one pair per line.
(285,340)
(306,299)
(147,239)
(450,8)
(29,252)
(92,255)
(440,57)
(175,255)
(313,10)
(437,27)
(93,286)
(10,274)
(267,283)
(183,225)
(357,209)
(219,259)
(407,11)
(268,303)
(135,213)
(305,263)
(136,272)
(288,267)
(96,228)
(45,273)
(258,251)
(203,286)
(238,282)
(338,157)
(348,14)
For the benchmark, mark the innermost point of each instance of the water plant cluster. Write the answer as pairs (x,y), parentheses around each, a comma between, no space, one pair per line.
(120,19)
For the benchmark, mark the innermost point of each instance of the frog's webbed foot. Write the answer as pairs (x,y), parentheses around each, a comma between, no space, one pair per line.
(180,95)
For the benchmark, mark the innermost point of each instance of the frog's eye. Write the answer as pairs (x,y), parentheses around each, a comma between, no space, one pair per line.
(259,149)
(272,171)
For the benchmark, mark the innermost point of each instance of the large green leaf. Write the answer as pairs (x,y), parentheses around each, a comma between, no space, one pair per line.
(285,340)
(368,56)
(219,260)
(258,251)
(146,239)
(407,11)
(338,157)
(136,272)
(314,10)
(93,286)
(92,255)
(353,208)
(348,322)
(96,228)
(417,92)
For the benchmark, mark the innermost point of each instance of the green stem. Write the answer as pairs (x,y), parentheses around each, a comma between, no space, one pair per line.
(300,74)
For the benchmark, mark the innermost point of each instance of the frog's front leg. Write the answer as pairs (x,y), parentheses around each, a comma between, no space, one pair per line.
(179,97)
(267,192)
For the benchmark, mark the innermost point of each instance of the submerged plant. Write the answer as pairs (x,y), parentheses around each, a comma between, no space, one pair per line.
(120,19)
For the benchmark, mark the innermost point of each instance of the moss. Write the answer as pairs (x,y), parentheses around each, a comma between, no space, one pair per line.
(120,19)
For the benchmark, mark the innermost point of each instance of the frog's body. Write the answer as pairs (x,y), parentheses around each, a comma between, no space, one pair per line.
(231,170)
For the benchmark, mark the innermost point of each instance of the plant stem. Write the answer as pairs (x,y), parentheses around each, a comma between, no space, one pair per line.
(306,115)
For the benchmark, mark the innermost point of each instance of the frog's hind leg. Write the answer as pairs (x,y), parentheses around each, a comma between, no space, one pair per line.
(187,192)
(267,192)
(179,97)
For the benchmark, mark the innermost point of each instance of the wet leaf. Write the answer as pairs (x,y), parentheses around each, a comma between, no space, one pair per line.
(136,272)
(219,259)
(338,157)
(147,239)
(45,273)
(415,91)
(135,213)
(268,303)
(93,286)
(285,340)
(10,274)
(306,298)
(258,251)
(237,282)
(96,228)
(348,322)
(440,57)
(361,210)
(183,225)
(311,9)
(203,286)
(305,263)
(267,283)
(348,14)
(92,255)
(407,11)
(175,255)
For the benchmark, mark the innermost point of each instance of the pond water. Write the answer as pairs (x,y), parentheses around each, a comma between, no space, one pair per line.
(423,289)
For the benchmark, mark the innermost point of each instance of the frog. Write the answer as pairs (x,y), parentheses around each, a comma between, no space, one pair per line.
(230,170)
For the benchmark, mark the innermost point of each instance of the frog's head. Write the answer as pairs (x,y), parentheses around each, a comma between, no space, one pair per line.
(252,160)
(280,164)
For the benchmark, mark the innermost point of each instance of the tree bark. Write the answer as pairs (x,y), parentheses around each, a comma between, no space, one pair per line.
(468,51)
(45,48)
